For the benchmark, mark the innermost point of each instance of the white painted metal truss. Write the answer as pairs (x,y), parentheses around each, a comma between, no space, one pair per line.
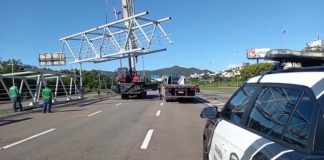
(41,76)
(110,41)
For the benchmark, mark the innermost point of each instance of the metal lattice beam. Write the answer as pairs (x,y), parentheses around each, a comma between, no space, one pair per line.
(110,41)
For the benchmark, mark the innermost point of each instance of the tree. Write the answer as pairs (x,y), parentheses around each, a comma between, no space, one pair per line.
(255,69)
(7,68)
(205,76)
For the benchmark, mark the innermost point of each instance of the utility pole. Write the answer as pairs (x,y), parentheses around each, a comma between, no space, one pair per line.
(12,65)
(99,82)
(143,68)
(80,72)
(210,66)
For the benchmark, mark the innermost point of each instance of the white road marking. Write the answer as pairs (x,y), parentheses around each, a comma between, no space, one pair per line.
(26,139)
(93,113)
(161,104)
(117,104)
(281,153)
(209,104)
(219,103)
(147,139)
(158,113)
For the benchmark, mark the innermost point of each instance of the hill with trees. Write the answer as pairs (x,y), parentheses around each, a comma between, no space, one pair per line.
(175,70)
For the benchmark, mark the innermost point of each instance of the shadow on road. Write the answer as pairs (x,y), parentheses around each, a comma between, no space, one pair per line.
(199,100)
(196,100)
(7,122)
(69,110)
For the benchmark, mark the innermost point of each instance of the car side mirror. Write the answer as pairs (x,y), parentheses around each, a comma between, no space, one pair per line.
(209,112)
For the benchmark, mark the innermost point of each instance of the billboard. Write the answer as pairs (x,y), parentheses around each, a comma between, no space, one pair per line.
(257,53)
(51,59)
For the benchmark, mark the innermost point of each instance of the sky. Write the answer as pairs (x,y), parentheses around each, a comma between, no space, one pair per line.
(206,34)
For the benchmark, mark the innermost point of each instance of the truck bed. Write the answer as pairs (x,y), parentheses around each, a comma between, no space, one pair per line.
(176,91)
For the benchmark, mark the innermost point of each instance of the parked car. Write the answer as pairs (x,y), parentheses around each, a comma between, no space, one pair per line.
(278,115)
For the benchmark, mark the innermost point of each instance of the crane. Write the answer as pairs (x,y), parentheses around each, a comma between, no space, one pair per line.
(128,10)
(132,36)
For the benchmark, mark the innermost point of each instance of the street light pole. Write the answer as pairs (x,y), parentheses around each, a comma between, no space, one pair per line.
(210,73)
(210,66)
(12,65)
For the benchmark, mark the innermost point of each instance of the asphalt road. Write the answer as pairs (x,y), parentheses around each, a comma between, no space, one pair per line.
(215,98)
(114,129)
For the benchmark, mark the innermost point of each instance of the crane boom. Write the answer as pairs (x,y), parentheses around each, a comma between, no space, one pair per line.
(128,10)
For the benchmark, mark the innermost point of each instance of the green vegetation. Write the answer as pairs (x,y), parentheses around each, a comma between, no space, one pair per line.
(255,69)
(90,78)
(220,85)
(7,111)
(175,70)
(5,66)
(230,83)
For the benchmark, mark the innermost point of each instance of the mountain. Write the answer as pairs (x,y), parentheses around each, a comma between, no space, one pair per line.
(175,70)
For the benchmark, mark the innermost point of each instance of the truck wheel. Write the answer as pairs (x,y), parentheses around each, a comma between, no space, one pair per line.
(189,100)
(143,95)
(124,96)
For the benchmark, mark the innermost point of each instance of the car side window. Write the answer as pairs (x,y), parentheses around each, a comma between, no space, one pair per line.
(272,109)
(319,140)
(298,128)
(235,108)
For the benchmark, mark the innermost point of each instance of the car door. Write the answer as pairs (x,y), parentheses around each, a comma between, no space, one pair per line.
(284,116)
(208,135)
(227,129)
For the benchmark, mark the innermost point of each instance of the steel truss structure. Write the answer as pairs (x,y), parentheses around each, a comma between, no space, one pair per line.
(110,41)
(41,77)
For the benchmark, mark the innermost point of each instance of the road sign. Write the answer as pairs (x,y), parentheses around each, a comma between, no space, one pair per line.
(52,59)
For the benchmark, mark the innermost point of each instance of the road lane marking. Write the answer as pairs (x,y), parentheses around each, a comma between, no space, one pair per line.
(147,139)
(209,104)
(219,103)
(161,104)
(93,113)
(158,113)
(26,139)
(117,104)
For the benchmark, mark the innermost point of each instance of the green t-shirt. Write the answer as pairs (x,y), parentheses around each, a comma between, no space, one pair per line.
(47,94)
(13,92)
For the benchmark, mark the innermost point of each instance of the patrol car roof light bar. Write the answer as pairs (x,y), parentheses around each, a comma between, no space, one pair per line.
(109,41)
(304,58)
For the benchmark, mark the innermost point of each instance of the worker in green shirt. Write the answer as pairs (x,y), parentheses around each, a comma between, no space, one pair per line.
(15,97)
(47,99)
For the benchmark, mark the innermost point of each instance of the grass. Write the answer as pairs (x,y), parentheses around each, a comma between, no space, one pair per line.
(227,89)
(6,111)
(222,86)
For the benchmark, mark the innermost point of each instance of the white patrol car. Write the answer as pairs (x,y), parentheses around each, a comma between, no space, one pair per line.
(277,115)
